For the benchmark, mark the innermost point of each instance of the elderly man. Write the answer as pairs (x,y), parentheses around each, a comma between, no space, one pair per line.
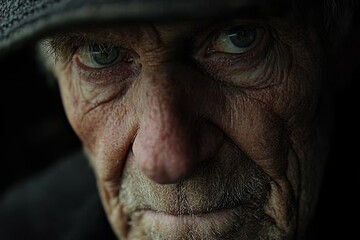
(200,119)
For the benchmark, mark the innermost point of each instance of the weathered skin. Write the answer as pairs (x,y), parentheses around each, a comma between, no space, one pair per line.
(173,144)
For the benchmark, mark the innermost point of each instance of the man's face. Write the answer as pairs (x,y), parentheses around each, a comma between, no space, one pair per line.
(197,130)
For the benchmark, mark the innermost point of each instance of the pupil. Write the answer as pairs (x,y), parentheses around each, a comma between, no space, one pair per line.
(104,55)
(242,36)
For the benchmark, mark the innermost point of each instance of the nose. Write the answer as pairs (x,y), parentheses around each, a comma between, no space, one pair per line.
(172,140)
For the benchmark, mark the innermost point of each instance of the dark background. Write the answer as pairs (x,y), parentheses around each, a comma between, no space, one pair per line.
(35,134)
(34,131)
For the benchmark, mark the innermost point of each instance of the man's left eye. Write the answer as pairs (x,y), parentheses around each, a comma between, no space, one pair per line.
(236,40)
(101,56)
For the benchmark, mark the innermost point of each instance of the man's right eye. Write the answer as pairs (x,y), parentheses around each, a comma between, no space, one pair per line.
(105,63)
(98,56)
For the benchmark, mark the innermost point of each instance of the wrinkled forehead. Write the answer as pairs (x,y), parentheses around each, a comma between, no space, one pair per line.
(26,20)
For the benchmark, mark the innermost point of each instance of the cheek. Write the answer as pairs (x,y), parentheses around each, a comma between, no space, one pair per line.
(106,129)
(77,109)
(267,124)
(258,132)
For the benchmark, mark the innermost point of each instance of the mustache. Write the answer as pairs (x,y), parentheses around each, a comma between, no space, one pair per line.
(229,180)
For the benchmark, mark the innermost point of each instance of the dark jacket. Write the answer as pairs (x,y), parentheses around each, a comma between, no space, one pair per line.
(61,203)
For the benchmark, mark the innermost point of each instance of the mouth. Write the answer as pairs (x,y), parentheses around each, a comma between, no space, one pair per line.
(169,218)
(200,225)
